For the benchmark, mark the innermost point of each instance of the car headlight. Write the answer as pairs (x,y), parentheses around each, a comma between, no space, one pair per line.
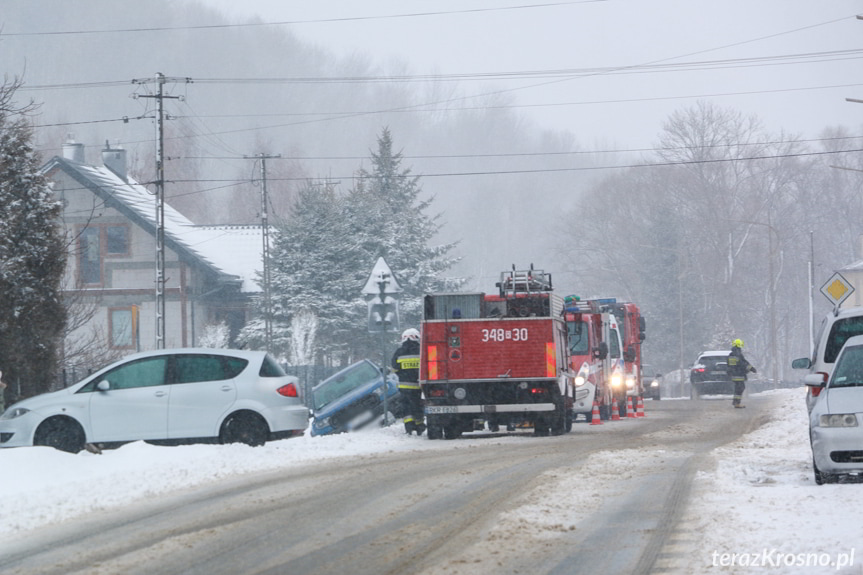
(321,423)
(14,412)
(616,380)
(654,383)
(630,382)
(580,380)
(838,420)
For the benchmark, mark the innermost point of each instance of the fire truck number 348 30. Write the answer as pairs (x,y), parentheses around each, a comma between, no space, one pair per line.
(500,334)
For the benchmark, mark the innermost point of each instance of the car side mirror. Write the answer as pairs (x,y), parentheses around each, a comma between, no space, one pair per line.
(801,363)
(629,355)
(602,351)
(103,385)
(815,379)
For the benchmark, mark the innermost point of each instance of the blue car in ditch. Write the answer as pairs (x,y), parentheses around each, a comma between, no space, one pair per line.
(353,398)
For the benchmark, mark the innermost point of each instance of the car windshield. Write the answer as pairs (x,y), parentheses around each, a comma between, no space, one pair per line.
(578,340)
(344,382)
(849,370)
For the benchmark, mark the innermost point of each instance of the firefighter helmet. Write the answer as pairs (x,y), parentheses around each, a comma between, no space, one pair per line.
(411,334)
(737,343)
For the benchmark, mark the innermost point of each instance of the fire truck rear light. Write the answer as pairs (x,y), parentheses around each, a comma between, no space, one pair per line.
(288,390)
(550,360)
(431,362)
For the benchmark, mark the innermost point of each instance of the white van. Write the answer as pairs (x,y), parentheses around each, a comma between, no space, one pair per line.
(836,328)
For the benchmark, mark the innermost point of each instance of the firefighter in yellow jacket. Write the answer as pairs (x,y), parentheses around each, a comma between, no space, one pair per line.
(738,367)
(406,364)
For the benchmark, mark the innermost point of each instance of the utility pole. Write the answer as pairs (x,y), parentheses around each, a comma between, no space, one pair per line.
(160,97)
(265,253)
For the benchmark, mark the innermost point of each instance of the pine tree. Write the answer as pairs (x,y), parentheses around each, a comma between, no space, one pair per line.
(32,259)
(393,219)
(322,255)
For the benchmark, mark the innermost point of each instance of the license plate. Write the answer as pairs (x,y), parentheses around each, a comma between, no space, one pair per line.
(439,409)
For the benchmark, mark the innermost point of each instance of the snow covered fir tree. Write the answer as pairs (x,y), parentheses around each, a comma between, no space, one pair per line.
(323,252)
(32,258)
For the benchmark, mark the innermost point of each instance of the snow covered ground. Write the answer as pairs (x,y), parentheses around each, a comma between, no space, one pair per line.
(758,510)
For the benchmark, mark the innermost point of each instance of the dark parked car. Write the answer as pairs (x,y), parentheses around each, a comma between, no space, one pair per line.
(651,382)
(353,398)
(709,375)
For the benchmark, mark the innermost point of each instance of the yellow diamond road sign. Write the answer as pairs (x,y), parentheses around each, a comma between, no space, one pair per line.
(837,289)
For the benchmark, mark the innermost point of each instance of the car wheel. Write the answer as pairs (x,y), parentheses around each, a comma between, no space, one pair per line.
(244,427)
(822,478)
(569,419)
(694,393)
(60,433)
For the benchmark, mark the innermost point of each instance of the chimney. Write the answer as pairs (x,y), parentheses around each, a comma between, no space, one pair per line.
(73,151)
(115,160)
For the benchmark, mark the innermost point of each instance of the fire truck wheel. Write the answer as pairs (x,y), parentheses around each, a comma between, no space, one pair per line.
(540,427)
(558,423)
(435,432)
(451,432)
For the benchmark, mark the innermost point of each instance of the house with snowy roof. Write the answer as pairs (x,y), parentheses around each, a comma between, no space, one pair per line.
(110,222)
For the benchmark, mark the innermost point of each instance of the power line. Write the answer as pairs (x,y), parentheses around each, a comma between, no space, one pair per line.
(298,22)
(575,169)
(565,73)
(548,154)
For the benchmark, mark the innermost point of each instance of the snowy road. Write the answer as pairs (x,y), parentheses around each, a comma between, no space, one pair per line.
(602,499)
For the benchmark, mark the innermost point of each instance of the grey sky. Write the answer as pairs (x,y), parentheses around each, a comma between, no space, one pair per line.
(753,48)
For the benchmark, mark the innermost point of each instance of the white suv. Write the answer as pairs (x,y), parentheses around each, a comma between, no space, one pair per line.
(835,330)
(169,396)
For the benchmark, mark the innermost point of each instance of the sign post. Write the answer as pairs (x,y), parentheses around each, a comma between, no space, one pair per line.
(382,287)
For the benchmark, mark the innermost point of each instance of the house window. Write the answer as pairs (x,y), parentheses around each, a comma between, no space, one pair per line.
(96,243)
(122,327)
(90,262)
(116,240)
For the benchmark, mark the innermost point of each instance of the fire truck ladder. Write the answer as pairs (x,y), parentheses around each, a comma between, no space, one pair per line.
(524,281)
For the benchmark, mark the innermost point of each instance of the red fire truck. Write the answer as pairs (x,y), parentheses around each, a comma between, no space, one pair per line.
(595,355)
(605,350)
(632,333)
(499,360)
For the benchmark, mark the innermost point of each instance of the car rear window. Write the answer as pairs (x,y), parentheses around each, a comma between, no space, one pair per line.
(713,362)
(839,334)
(271,368)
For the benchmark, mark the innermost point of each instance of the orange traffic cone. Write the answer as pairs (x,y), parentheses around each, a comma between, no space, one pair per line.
(615,412)
(594,416)
(630,411)
(640,412)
